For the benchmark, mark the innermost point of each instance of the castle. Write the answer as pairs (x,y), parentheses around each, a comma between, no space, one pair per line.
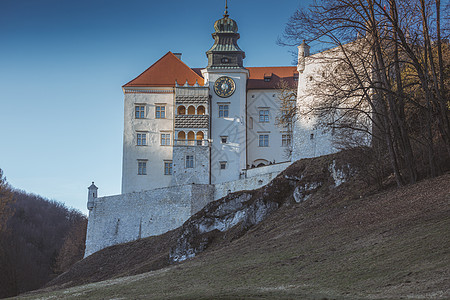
(193,135)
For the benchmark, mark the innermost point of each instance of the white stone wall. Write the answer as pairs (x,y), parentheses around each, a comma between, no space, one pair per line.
(275,168)
(255,179)
(201,194)
(309,139)
(154,153)
(264,100)
(234,127)
(127,217)
(199,174)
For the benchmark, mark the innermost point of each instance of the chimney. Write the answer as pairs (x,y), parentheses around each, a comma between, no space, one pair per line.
(178,55)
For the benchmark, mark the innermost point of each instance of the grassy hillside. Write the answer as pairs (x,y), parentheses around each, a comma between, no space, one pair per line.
(391,245)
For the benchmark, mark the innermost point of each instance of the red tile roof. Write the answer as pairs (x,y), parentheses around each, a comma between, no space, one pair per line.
(169,68)
(275,74)
(164,72)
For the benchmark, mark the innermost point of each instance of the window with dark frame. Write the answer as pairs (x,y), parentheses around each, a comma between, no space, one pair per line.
(285,140)
(223,165)
(165,139)
(160,112)
(139,112)
(223,110)
(263,140)
(168,168)
(189,161)
(223,139)
(142,167)
(264,116)
(141,139)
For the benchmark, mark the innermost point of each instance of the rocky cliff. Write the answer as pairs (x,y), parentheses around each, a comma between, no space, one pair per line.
(237,212)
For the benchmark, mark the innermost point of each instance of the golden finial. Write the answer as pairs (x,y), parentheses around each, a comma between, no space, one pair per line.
(226,9)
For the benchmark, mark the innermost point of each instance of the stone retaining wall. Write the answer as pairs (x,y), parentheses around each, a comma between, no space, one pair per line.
(128,217)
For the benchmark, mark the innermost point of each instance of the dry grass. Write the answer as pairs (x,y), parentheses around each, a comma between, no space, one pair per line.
(391,245)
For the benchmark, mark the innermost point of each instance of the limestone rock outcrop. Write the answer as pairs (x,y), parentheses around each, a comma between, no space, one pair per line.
(241,210)
(219,216)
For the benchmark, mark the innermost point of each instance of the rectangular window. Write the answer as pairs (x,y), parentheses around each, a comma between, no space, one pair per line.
(139,111)
(167,168)
(160,112)
(223,111)
(165,139)
(223,165)
(189,161)
(263,140)
(285,140)
(223,139)
(264,116)
(142,139)
(142,167)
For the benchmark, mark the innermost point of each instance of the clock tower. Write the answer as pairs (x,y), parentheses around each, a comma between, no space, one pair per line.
(227,81)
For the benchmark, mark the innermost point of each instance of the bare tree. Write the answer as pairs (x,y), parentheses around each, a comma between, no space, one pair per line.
(8,274)
(72,250)
(385,65)
(287,98)
(5,199)
(33,239)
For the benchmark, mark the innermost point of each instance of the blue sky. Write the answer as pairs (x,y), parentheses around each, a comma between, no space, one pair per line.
(62,65)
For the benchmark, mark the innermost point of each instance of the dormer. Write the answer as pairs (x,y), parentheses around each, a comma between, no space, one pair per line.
(267,77)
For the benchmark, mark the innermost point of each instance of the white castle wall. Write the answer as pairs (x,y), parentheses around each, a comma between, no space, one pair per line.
(233,126)
(153,153)
(256,178)
(275,168)
(127,217)
(309,139)
(199,173)
(264,100)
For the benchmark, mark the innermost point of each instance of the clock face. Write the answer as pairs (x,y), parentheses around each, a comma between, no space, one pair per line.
(224,86)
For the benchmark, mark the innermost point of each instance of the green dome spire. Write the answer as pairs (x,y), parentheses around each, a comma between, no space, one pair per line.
(226,24)
(225,53)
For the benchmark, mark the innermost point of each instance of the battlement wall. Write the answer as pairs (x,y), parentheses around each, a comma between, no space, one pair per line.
(127,217)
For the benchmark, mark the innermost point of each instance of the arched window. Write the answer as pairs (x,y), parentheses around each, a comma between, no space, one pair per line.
(201,110)
(181,110)
(200,137)
(191,138)
(191,110)
(181,138)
